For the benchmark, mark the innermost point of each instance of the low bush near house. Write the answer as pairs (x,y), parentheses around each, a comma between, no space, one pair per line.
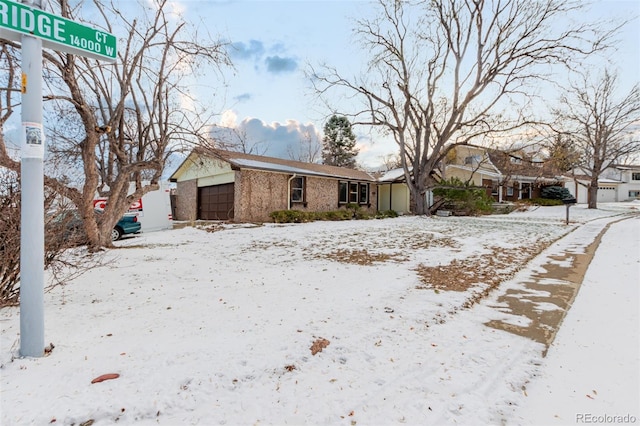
(555,193)
(352,211)
(462,198)
(291,216)
(386,214)
(543,202)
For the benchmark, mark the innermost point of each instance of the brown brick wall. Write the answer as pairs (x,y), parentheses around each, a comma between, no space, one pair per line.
(257,194)
(186,200)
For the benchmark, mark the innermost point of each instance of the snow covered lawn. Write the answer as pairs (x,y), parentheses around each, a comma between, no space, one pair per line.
(224,325)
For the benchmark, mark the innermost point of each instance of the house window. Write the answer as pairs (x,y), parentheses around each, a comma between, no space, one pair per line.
(635,176)
(297,189)
(634,194)
(364,193)
(343,193)
(353,192)
(473,159)
(509,191)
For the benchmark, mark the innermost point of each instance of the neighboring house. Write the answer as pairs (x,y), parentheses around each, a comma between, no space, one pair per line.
(224,185)
(506,176)
(522,175)
(393,193)
(616,183)
(472,164)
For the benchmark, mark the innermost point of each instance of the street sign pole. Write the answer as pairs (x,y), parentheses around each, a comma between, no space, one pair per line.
(32,201)
(28,24)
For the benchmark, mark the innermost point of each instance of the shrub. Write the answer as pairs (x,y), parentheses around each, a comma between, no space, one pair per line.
(10,222)
(296,216)
(386,213)
(462,197)
(291,216)
(555,193)
(543,202)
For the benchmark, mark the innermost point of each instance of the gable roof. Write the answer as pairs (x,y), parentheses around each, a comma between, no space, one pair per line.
(523,166)
(240,160)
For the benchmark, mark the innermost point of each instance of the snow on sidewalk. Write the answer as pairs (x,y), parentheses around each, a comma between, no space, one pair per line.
(592,371)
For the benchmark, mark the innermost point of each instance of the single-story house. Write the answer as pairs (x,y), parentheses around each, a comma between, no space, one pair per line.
(225,185)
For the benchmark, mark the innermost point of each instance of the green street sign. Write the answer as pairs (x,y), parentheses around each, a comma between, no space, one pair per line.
(56,32)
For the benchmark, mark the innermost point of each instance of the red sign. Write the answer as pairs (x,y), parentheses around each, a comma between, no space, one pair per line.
(101,204)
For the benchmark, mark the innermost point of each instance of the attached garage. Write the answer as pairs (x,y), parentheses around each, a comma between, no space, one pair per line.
(233,186)
(215,202)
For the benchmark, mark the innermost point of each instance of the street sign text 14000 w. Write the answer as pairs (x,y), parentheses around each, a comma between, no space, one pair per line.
(56,32)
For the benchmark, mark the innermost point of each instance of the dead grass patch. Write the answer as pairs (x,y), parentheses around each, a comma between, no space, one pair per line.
(364,257)
(430,241)
(487,270)
(318,345)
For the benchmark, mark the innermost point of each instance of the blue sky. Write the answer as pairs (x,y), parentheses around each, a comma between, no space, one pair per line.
(273,42)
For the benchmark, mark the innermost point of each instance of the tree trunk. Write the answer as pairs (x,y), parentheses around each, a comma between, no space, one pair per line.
(418,201)
(592,197)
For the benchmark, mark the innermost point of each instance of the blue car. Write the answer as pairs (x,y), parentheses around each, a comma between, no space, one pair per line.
(128,224)
(69,224)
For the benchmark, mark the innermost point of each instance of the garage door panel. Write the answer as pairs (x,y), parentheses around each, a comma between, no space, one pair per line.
(216,202)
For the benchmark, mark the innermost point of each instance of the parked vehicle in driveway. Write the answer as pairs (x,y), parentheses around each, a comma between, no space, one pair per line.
(69,224)
(128,224)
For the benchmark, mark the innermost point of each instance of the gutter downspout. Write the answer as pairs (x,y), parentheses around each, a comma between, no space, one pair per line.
(289,191)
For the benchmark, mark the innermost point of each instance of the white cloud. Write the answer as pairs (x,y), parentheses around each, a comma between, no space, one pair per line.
(228,119)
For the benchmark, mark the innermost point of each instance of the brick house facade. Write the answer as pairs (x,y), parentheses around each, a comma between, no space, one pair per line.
(223,185)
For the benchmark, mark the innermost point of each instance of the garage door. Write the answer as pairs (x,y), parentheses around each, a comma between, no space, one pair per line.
(215,202)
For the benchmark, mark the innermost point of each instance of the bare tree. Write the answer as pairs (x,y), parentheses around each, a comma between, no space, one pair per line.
(308,150)
(9,95)
(234,139)
(604,128)
(118,123)
(390,161)
(444,72)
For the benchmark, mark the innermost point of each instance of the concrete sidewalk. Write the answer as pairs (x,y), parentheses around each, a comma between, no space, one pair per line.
(591,374)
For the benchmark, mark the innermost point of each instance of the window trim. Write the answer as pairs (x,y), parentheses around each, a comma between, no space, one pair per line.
(362,186)
(353,193)
(302,189)
(341,185)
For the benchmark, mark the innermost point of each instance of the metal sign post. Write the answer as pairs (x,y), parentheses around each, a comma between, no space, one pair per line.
(34,28)
(32,202)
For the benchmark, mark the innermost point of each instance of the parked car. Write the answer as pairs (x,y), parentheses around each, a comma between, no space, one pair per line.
(71,228)
(128,224)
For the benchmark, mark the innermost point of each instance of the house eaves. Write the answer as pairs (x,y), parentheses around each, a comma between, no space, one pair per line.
(482,171)
(241,160)
(393,176)
(243,163)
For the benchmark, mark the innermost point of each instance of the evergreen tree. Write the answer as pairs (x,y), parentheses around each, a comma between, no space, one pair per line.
(339,143)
